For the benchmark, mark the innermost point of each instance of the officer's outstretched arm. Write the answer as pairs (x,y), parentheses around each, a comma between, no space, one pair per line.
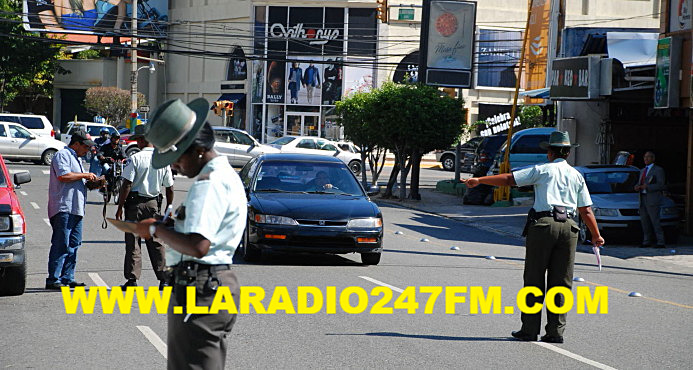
(194,245)
(504,179)
(587,217)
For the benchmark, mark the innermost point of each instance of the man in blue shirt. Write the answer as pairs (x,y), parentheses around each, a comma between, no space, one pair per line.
(67,198)
(311,80)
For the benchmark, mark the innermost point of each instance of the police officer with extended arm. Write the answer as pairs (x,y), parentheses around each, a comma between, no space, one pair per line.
(140,196)
(560,194)
(208,228)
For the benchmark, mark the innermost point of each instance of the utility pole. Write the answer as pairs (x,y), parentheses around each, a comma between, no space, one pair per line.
(133,61)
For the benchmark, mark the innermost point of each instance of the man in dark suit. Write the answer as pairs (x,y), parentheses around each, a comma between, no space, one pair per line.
(651,184)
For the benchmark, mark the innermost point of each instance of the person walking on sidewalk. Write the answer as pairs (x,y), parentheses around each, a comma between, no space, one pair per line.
(560,193)
(207,229)
(650,186)
(67,199)
(140,195)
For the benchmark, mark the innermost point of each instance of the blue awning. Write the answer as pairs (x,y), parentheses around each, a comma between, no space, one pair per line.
(232,97)
(538,93)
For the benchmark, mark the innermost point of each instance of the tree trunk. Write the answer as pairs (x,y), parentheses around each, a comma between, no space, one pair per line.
(377,163)
(393,178)
(403,175)
(364,178)
(416,167)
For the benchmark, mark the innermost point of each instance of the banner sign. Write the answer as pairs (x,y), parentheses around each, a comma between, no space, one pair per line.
(497,117)
(575,78)
(448,39)
(666,93)
(499,52)
(680,15)
(538,48)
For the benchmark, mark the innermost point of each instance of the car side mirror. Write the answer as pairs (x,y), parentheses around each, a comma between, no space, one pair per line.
(373,190)
(32,137)
(21,178)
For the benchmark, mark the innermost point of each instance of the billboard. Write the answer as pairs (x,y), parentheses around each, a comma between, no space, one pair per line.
(666,92)
(680,15)
(304,80)
(94,17)
(498,55)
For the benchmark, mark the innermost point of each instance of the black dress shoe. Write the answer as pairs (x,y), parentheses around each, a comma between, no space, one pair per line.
(53,286)
(130,282)
(520,335)
(162,284)
(75,284)
(644,246)
(551,339)
(661,246)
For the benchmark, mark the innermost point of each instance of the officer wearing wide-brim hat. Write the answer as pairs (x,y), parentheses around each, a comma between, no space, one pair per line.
(208,227)
(560,193)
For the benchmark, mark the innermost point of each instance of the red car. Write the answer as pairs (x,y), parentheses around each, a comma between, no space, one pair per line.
(12,234)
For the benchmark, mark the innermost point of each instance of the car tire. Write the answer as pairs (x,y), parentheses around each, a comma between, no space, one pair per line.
(355,167)
(131,151)
(448,162)
(47,156)
(250,253)
(370,258)
(13,280)
(584,235)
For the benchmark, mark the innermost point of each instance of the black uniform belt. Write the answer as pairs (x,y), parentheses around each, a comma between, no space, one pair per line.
(192,265)
(142,198)
(538,215)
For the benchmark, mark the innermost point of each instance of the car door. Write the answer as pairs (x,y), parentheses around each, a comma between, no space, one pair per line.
(224,144)
(244,148)
(7,145)
(306,146)
(25,142)
(327,148)
(526,151)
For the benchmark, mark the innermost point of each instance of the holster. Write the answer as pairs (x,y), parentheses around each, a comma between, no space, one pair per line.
(560,214)
(159,201)
(531,220)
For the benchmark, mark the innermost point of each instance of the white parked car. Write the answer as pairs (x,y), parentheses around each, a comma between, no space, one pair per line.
(17,143)
(238,146)
(316,145)
(91,128)
(38,124)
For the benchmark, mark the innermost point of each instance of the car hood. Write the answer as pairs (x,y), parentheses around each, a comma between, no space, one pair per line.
(314,206)
(264,148)
(8,197)
(623,201)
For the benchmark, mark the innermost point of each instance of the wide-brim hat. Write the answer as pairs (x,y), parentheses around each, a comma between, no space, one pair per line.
(140,131)
(559,139)
(173,128)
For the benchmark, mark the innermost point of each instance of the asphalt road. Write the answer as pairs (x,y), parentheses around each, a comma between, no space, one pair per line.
(653,331)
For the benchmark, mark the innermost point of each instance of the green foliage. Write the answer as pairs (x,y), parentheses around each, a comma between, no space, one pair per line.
(88,54)
(27,63)
(531,116)
(111,103)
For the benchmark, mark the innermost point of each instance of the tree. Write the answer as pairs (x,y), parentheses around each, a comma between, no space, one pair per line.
(531,116)
(356,115)
(27,62)
(111,103)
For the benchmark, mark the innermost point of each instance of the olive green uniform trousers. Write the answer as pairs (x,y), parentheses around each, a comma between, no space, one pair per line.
(550,247)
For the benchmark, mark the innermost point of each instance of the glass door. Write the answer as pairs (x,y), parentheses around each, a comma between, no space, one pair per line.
(302,124)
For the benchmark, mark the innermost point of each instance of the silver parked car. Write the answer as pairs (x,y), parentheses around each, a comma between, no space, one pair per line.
(238,146)
(616,204)
(17,143)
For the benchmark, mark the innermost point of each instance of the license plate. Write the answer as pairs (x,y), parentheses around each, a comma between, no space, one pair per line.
(6,257)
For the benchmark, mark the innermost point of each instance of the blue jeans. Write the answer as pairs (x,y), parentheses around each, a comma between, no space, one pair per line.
(66,239)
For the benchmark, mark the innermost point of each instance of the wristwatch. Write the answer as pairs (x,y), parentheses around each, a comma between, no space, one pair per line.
(152,228)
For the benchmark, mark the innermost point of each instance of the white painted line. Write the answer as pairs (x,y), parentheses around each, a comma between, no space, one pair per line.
(46,172)
(98,281)
(154,339)
(36,206)
(47,221)
(572,355)
(378,282)
(23,193)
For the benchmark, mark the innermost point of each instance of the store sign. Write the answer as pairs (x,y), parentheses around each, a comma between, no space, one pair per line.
(406,15)
(408,69)
(498,53)
(497,117)
(575,78)
(666,94)
(449,43)
(680,15)
(312,35)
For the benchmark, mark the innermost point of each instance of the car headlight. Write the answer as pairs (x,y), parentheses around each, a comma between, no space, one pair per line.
(608,212)
(275,220)
(17,223)
(669,211)
(365,223)
(5,223)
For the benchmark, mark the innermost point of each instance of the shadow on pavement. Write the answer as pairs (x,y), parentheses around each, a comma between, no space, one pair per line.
(296,259)
(431,337)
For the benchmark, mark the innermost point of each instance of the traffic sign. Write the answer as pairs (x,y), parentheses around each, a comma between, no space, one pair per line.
(144,109)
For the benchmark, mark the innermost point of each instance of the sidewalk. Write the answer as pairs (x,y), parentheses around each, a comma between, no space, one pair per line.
(510,221)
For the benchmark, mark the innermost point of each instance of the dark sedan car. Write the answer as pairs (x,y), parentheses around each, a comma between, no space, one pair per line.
(308,203)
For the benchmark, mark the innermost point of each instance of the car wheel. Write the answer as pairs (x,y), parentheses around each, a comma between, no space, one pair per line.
(13,280)
(250,253)
(355,167)
(131,151)
(47,157)
(448,162)
(370,258)
(584,235)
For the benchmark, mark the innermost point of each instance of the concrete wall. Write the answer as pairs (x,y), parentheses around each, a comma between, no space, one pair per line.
(582,120)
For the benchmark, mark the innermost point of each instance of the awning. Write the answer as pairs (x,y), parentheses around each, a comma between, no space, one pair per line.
(633,49)
(538,93)
(232,97)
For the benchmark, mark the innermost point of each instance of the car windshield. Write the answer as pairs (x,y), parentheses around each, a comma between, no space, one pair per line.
(283,140)
(306,177)
(3,180)
(611,182)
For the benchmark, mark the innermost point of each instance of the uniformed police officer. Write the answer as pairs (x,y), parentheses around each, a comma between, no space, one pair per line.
(139,195)
(552,233)
(208,228)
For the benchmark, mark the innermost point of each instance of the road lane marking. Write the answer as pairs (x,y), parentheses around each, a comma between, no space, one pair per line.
(378,282)
(98,281)
(36,206)
(47,221)
(46,172)
(23,193)
(153,339)
(574,356)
